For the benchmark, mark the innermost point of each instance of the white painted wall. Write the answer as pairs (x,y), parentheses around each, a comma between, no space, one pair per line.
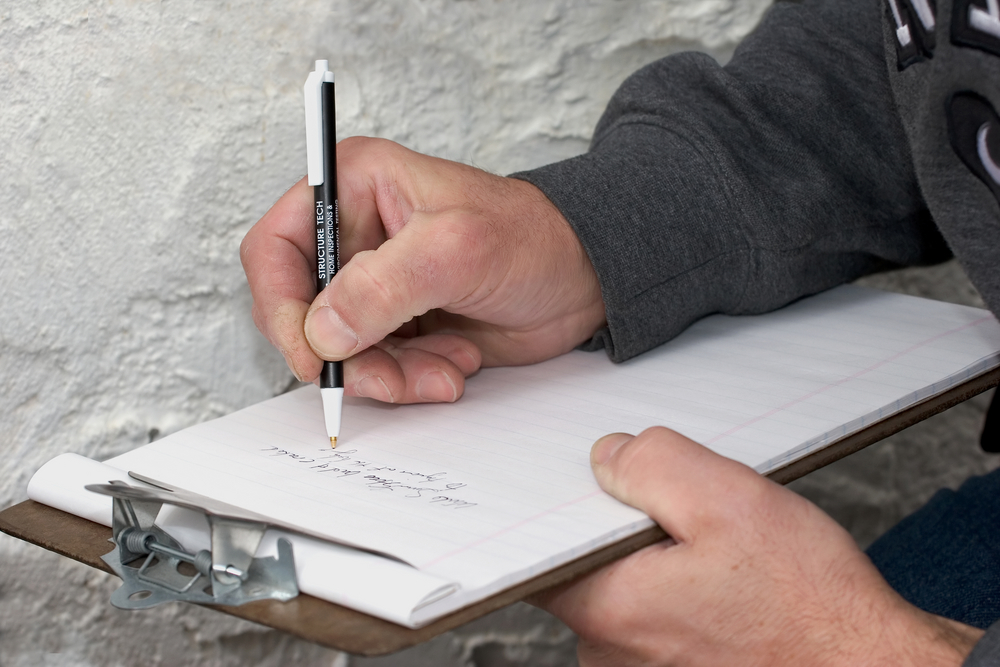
(140,139)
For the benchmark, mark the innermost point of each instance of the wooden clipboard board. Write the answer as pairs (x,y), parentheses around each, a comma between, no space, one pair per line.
(347,630)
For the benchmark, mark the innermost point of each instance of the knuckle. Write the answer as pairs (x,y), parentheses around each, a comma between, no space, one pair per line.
(459,241)
(353,145)
(370,148)
(639,452)
(246,248)
(451,254)
(618,615)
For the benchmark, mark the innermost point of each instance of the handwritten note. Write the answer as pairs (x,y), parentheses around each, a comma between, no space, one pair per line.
(373,475)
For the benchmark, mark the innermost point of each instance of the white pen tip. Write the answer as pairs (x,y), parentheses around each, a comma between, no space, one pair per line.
(333,405)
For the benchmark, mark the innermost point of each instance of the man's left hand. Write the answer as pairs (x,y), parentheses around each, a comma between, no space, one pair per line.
(757,576)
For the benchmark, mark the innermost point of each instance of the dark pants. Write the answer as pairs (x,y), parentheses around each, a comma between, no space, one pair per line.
(945,558)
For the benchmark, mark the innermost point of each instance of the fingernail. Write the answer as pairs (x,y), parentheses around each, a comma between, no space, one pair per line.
(329,335)
(469,363)
(373,387)
(606,447)
(438,387)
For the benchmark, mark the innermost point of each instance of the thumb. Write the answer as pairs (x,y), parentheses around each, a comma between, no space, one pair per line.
(379,290)
(673,479)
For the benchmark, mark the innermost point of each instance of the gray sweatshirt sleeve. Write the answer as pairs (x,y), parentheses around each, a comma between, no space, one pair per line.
(986,653)
(738,189)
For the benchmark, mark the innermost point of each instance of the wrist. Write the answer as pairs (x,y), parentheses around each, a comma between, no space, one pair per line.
(954,640)
(886,631)
(928,640)
(580,300)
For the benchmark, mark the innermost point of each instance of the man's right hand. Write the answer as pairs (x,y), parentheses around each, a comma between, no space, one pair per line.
(445,267)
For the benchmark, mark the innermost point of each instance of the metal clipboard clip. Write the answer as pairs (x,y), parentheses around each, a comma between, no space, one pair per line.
(227,575)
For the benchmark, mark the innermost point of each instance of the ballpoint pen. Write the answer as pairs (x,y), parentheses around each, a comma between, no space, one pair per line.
(321,151)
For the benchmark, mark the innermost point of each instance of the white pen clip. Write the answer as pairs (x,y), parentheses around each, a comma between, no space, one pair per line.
(314,120)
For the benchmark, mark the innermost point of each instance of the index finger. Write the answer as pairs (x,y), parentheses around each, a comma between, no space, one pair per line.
(279,258)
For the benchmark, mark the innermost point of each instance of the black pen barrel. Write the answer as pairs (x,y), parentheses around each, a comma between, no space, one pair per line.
(328,221)
(332,213)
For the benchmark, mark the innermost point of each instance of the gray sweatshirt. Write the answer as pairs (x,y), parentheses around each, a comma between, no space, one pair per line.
(807,161)
(844,137)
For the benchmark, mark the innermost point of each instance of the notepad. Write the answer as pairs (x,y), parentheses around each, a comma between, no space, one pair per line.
(425,509)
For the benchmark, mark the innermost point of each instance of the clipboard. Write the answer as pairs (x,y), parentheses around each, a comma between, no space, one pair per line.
(347,630)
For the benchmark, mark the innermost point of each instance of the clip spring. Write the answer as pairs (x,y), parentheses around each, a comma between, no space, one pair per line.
(145,542)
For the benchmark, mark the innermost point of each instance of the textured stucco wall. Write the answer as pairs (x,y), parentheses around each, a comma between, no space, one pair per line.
(139,140)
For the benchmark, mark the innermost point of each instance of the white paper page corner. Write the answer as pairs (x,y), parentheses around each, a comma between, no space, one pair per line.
(60,483)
